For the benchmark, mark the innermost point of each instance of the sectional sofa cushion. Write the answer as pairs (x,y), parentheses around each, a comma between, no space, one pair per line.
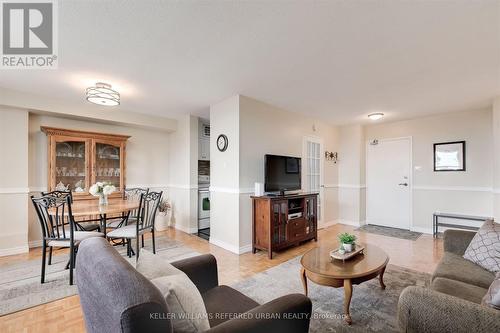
(484,249)
(492,297)
(459,289)
(454,267)
(181,295)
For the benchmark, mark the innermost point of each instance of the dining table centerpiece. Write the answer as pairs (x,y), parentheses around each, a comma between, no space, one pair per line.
(102,190)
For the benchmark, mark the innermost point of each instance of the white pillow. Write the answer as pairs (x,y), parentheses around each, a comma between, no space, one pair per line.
(181,295)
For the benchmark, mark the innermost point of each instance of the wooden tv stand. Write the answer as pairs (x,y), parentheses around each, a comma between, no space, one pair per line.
(275,228)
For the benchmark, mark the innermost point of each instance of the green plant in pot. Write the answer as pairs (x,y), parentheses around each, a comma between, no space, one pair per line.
(347,241)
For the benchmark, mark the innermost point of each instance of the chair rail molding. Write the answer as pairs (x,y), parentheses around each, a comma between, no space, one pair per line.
(183,186)
(14,190)
(233,190)
(353,186)
(454,188)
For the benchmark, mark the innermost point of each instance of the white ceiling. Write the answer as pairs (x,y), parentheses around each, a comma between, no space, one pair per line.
(338,60)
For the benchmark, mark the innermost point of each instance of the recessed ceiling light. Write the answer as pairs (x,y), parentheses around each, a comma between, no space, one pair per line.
(102,94)
(376,115)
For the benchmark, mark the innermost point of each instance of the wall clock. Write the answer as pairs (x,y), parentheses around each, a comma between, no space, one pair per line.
(222,142)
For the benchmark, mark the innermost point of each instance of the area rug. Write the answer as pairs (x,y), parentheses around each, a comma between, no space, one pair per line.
(20,286)
(391,232)
(372,309)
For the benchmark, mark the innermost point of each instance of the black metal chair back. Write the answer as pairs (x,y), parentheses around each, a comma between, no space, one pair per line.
(148,206)
(59,194)
(54,213)
(134,194)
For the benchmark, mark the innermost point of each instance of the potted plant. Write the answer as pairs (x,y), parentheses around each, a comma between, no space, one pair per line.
(163,216)
(102,190)
(347,241)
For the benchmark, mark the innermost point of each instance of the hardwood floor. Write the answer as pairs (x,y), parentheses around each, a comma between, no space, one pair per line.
(65,315)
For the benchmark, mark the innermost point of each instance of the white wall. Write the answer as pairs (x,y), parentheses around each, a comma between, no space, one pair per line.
(13,181)
(147,158)
(183,174)
(351,176)
(224,175)
(266,129)
(254,129)
(468,192)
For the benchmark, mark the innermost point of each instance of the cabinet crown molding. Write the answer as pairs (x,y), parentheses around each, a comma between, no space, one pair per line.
(78,133)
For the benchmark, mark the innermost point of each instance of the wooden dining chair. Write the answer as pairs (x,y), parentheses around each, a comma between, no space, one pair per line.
(82,225)
(55,215)
(148,207)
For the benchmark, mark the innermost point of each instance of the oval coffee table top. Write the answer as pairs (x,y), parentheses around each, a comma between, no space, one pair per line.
(318,261)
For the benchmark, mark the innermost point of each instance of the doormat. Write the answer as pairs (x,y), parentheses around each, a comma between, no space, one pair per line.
(391,232)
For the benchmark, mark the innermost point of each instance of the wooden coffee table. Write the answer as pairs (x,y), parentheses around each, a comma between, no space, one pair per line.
(318,267)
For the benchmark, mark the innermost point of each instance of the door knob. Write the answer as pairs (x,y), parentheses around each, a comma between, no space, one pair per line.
(403,184)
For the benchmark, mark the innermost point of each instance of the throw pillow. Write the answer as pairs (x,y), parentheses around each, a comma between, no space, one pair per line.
(152,266)
(184,302)
(183,298)
(492,297)
(484,249)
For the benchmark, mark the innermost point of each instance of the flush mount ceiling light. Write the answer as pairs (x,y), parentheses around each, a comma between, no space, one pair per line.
(376,115)
(102,94)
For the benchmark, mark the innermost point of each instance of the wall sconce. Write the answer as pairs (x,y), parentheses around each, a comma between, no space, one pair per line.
(331,156)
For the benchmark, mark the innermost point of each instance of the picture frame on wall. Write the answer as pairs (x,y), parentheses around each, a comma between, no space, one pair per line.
(449,156)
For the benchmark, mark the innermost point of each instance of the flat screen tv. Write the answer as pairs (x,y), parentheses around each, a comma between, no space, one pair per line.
(282,173)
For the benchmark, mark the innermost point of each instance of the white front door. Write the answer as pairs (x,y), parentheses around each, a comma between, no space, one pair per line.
(313,170)
(388,183)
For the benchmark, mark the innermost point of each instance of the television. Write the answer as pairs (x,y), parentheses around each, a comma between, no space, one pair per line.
(282,173)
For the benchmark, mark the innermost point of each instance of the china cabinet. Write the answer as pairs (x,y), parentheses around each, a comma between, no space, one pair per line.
(78,159)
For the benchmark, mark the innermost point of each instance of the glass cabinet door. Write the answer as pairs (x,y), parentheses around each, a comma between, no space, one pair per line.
(71,165)
(108,163)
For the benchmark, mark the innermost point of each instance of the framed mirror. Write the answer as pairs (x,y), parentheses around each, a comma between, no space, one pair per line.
(449,156)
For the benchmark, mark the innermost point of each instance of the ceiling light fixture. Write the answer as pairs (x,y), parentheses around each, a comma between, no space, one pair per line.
(102,94)
(376,115)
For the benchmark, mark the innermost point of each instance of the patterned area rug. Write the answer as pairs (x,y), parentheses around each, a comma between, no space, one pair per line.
(20,286)
(391,232)
(372,309)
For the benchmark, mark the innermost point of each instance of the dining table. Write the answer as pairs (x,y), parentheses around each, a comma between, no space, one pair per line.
(80,208)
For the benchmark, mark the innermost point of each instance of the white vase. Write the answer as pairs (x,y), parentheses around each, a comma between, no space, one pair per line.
(348,247)
(103,200)
(162,221)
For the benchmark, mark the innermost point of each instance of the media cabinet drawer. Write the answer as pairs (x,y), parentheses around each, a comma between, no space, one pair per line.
(299,223)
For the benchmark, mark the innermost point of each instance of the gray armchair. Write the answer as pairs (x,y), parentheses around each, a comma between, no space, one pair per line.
(117,298)
(453,301)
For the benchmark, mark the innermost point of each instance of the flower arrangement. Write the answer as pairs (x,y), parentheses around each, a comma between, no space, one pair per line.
(102,190)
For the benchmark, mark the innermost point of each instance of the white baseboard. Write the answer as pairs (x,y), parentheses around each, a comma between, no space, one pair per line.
(14,250)
(185,229)
(422,230)
(231,247)
(35,243)
(351,223)
(327,224)
(245,249)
